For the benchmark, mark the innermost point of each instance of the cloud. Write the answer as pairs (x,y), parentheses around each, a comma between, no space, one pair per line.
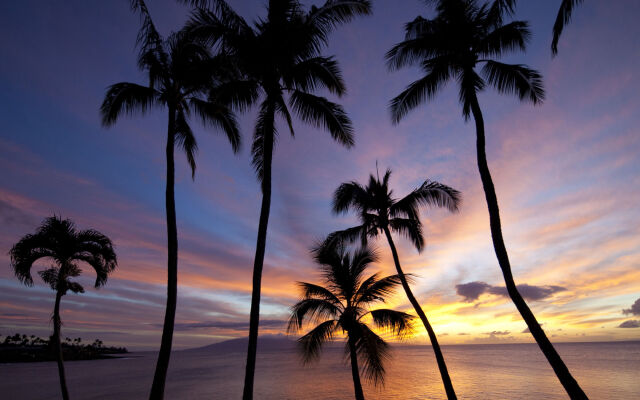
(632,323)
(463,333)
(473,290)
(497,333)
(236,326)
(634,310)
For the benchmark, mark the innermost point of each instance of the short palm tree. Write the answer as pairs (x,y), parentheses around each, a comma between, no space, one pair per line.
(343,306)
(380,213)
(59,241)
(183,76)
(450,46)
(562,19)
(280,58)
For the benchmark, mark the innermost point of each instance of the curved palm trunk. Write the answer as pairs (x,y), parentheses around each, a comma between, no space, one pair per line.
(442,366)
(58,346)
(160,376)
(357,386)
(254,317)
(562,372)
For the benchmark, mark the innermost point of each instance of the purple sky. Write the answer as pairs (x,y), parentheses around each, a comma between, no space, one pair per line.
(567,175)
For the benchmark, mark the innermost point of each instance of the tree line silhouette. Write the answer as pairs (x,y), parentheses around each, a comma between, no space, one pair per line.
(219,65)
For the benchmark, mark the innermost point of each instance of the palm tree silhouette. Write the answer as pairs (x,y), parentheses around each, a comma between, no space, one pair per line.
(562,19)
(343,306)
(380,213)
(450,46)
(280,58)
(183,78)
(59,241)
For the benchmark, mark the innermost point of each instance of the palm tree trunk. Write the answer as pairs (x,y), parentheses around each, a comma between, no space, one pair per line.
(562,372)
(160,376)
(442,366)
(58,346)
(254,317)
(354,370)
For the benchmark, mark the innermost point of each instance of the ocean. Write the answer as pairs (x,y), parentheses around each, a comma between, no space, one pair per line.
(606,371)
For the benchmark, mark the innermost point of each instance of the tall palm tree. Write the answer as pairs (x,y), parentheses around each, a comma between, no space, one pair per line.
(343,306)
(562,19)
(450,46)
(280,58)
(183,76)
(58,240)
(380,213)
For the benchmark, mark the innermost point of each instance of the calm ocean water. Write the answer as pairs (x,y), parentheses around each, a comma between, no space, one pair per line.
(606,371)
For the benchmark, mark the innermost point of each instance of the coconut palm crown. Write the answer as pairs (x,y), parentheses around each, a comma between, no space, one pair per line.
(378,210)
(58,240)
(342,306)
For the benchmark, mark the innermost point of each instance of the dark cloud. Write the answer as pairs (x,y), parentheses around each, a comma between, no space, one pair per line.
(634,310)
(497,333)
(473,290)
(463,333)
(632,323)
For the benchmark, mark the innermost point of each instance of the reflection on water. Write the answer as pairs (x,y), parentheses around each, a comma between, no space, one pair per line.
(604,370)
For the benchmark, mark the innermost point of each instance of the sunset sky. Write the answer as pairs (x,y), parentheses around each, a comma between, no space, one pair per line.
(567,174)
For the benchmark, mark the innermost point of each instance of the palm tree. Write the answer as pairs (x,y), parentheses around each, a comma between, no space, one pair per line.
(58,240)
(280,58)
(463,35)
(380,213)
(563,18)
(183,77)
(343,305)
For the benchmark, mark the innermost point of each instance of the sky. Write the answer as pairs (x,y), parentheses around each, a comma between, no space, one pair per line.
(567,175)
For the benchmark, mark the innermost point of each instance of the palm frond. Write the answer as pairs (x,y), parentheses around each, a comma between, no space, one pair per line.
(309,290)
(417,92)
(264,135)
(409,228)
(396,322)
(505,38)
(430,193)
(185,138)
(50,277)
(470,84)
(350,195)
(312,309)
(283,110)
(27,251)
(372,351)
(310,74)
(98,251)
(562,19)
(515,78)
(374,289)
(75,287)
(311,343)
(219,116)
(321,112)
(129,98)
(336,12)
(148,36)
(500,8)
